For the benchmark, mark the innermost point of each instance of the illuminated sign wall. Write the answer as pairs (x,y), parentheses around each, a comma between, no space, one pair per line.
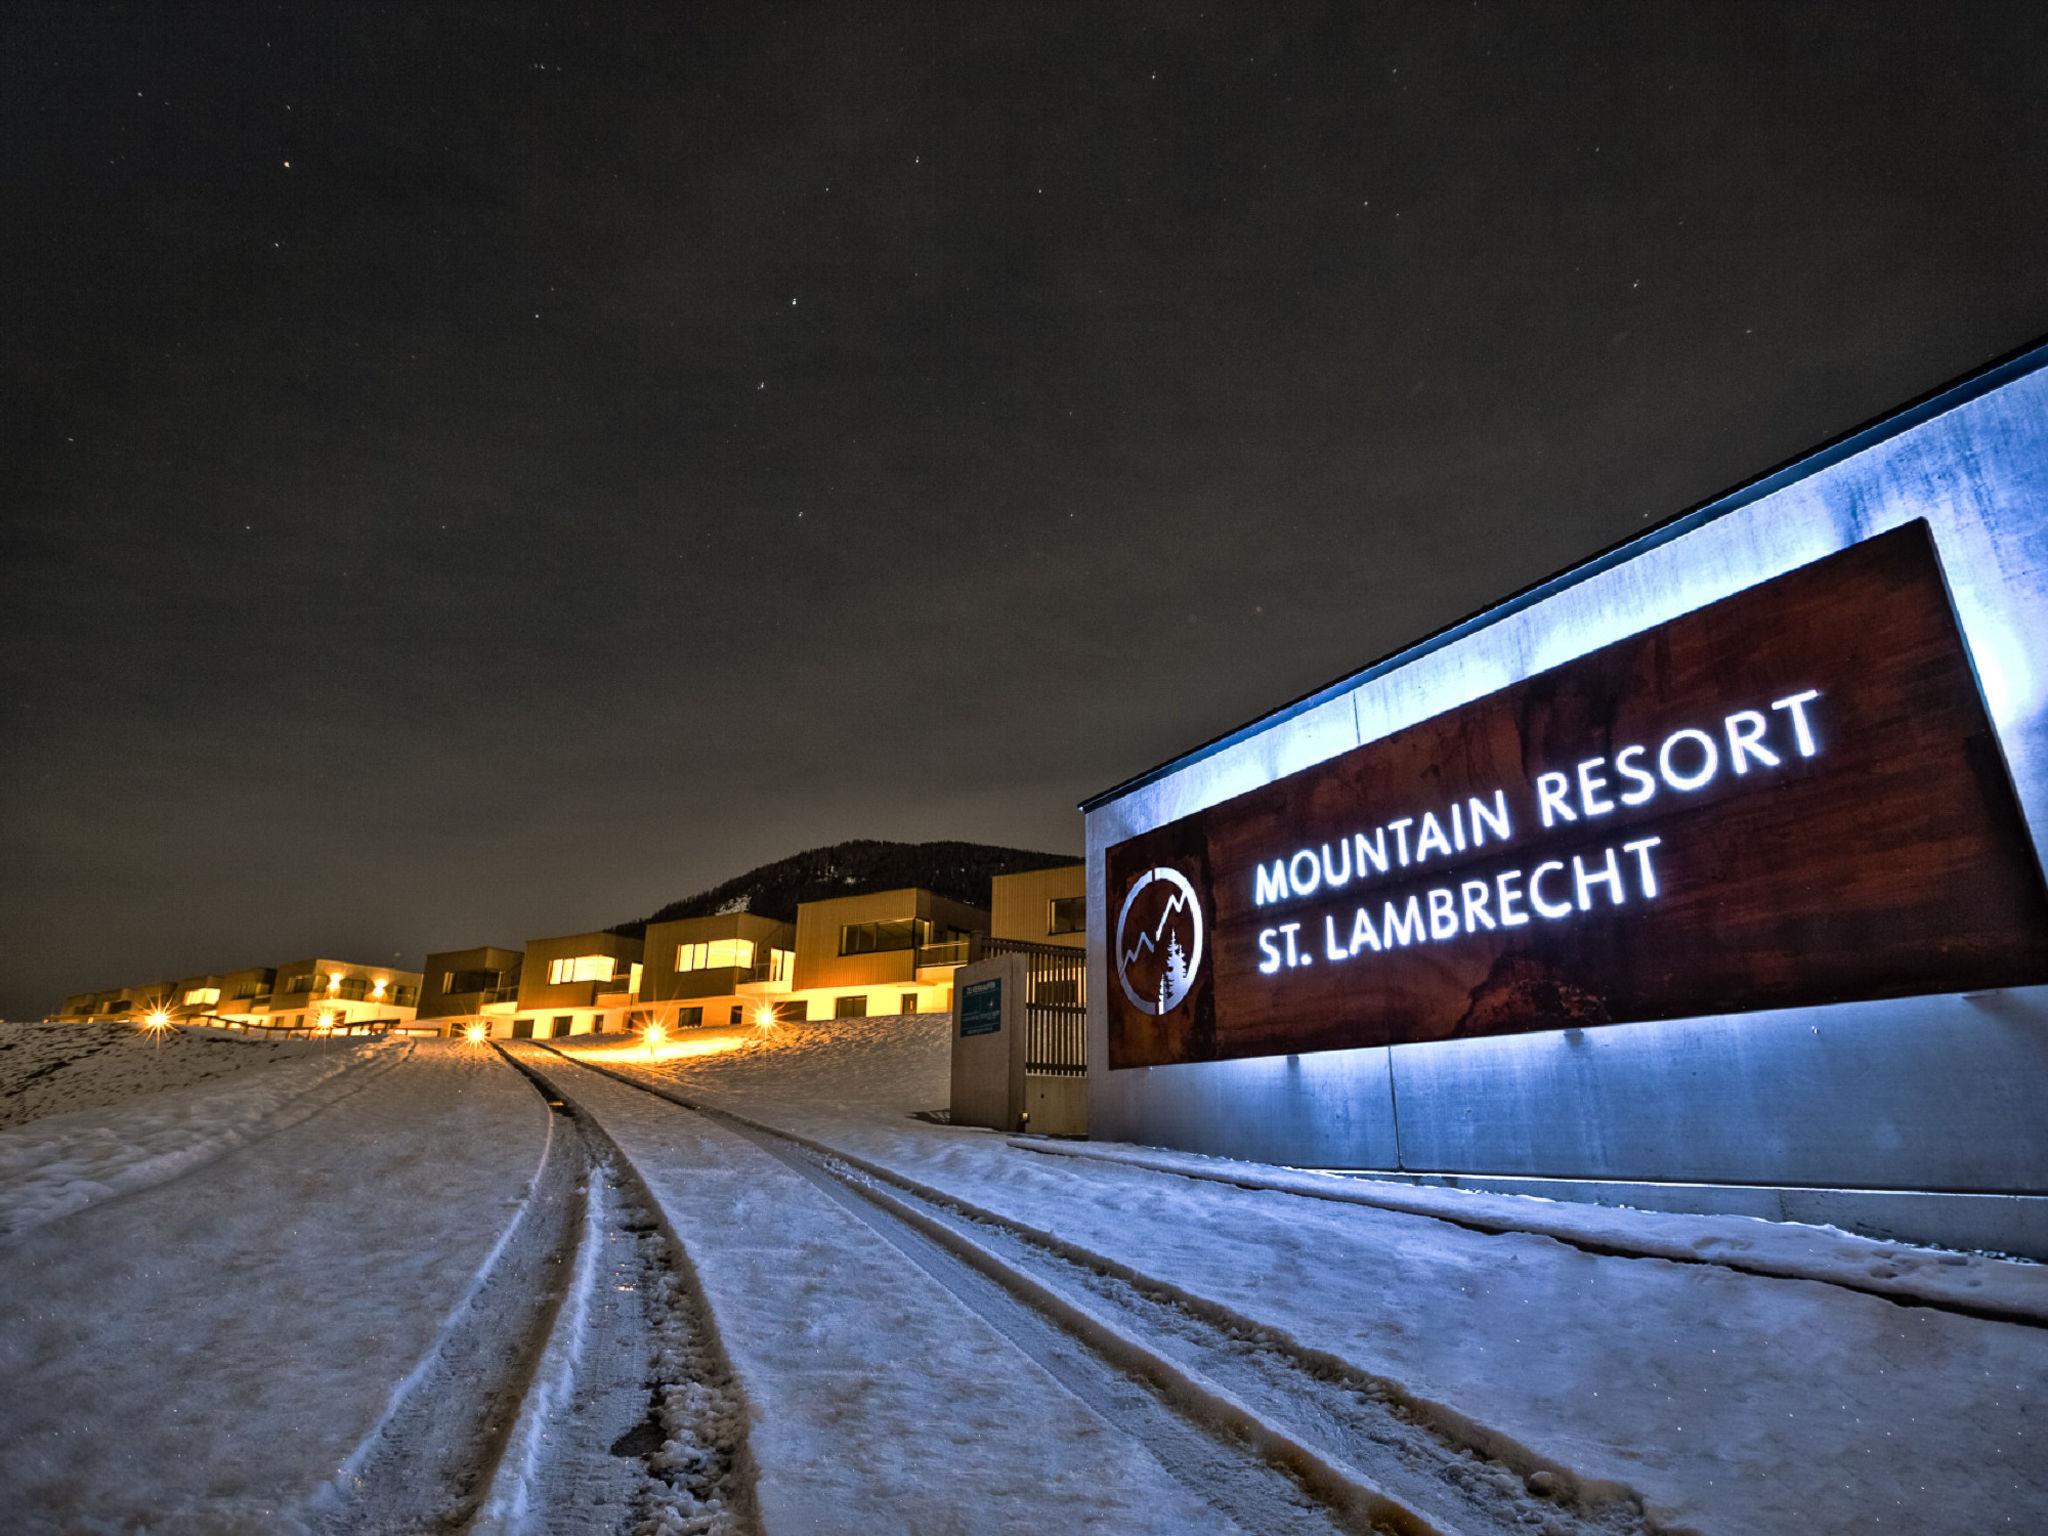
(1790,796)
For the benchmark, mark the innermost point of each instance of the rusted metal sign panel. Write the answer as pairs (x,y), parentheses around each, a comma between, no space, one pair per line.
(1791,796)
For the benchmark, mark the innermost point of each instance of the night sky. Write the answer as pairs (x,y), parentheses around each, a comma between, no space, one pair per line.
(476,472)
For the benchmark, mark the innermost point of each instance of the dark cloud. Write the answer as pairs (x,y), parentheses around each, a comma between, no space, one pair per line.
(623,446)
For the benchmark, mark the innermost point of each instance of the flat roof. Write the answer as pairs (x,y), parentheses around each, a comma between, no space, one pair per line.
(1996,374)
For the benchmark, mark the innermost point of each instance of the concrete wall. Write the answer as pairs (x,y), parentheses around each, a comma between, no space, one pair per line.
(988,1070)
(1055,1106)
(1936,1096)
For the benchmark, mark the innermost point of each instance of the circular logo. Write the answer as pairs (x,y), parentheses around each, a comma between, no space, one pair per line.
(1158,940)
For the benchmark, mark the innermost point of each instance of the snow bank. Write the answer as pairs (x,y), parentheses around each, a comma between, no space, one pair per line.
(54,1069)
(2010,1289)
(896,1062)
(61,1163)
(201,1355)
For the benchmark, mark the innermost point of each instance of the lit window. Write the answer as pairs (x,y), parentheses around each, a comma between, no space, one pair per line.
(202,997)
(877,938)
(1069,915)
(716,955)
(579,968)
(781,964)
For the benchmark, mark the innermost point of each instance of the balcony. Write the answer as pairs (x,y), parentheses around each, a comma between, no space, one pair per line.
(952,952)
(357,989)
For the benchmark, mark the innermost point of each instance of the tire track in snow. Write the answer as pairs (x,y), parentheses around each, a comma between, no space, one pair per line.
(634,1420)
(427,1462)
(1254,1470)
(574,1388)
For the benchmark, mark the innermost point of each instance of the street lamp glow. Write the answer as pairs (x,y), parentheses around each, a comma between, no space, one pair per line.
(156,1021)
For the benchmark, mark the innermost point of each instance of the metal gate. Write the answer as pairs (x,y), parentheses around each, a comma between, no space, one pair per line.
(1055,1006)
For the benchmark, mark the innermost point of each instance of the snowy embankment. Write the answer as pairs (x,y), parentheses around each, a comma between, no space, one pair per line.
(132,1138)
(56,1069)
(1979,1284)
(204,1353)
(1729,1400)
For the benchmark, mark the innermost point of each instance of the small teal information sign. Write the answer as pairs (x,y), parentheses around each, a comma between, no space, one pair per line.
(981,1007)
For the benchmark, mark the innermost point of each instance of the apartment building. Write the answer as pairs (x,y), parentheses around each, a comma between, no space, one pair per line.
(883,953)
(117,1004)
(463,986)
(575,984)
(304,994)
(321,991)
(240,989)
(1041,906)
(729,968)
(886,952)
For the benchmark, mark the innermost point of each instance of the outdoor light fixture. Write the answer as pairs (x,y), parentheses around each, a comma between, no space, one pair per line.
(334,981)
(477,1032)
(156,1021)
(764,1015)
(655,1035)
(377,987)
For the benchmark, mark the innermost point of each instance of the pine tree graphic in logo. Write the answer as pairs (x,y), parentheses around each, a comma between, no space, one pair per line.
(1159,941)
(1173,981)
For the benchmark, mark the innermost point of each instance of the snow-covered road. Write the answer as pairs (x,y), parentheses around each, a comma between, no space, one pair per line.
(740,1287)
(879,1402)
(1717,1398)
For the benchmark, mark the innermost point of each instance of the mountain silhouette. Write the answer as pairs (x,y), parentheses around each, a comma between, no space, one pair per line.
(957,871)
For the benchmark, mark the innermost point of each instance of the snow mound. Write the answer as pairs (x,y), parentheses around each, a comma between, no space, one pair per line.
(61,1163)
(53,1069)
(889,1063)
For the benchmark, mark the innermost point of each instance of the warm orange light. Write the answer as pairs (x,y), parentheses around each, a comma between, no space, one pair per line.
(156,1021)
(377,987)
(326,1022)
(334,981)
(654,1034)
(764,1015)
(478,1033)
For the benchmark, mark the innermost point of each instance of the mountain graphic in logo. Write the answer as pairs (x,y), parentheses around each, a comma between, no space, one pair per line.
(1158,940)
